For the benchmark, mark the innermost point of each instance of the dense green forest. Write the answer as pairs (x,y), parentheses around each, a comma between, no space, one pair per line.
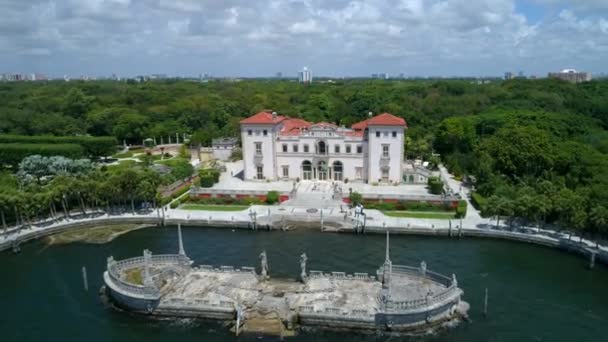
(537,148)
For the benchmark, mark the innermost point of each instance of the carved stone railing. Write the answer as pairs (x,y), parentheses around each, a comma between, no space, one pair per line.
(341,276)
(225,269)
(115,269)
(196,304)
(258,159)
(451,293)
(336,313)
(384,161)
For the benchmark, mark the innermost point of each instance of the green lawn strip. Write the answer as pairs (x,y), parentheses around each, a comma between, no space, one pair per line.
(420,214)
(123,155)
(214,207)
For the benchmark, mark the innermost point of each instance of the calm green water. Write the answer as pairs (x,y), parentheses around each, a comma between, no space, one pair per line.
(536,294)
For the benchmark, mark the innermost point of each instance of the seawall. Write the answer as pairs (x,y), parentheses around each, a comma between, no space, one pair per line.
(236,222)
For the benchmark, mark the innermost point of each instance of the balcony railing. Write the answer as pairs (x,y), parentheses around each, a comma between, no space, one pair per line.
(258,158)
(385,160)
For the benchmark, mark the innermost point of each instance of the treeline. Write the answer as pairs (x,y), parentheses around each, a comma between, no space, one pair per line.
(159,109)
(536,149)
(65,195)
(532,166)
(14,148)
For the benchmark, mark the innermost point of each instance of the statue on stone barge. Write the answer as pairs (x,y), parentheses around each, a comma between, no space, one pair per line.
(423,268)
(264,264)
(303,259)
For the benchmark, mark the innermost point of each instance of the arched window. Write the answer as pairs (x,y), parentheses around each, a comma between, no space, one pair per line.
(321,147)
(306,170)
(322,170)
(338,170)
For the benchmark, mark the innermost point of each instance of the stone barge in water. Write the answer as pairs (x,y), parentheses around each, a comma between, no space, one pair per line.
(397,299)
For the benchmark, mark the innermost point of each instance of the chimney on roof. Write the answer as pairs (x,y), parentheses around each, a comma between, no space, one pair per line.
(370,114)
(274,116)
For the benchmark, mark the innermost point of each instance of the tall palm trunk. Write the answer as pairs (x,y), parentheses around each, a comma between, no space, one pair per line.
(65,209)
(16,216)
(3,222)
(132,205)
(54,207)
(81,201)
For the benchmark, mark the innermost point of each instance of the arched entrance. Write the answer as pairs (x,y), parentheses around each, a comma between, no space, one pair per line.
(322,170)
(338,170)
(306,170)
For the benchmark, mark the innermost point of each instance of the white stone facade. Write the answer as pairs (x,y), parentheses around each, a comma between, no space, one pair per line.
(222,148)
(277,147)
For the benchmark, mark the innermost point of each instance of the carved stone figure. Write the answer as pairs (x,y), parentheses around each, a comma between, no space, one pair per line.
(423,268)
(264,264)
(303,259)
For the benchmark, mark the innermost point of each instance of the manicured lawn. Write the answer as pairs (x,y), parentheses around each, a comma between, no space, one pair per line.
(192,206)
(123,155)
(421,214)
(129,153)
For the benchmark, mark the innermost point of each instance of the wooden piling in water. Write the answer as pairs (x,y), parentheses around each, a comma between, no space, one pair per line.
(592,260)
(84,278)
(485,304)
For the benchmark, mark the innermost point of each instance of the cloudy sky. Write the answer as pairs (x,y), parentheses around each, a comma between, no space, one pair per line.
(331,37)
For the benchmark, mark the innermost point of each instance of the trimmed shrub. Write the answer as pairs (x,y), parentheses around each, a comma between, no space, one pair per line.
(91,146)
(208,177)
(435,185)
(461,210)
(355,198)
(13,154)
(272,197)
(478,200)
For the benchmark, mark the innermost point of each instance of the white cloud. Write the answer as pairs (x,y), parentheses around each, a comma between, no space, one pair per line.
(332,36)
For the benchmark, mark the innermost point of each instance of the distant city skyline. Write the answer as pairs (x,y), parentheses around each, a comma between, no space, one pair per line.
(335,38)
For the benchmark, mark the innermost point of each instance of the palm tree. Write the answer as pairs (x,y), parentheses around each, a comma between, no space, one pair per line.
(128,180)
(61,184)
(598,216)
(498,206)
(4,204)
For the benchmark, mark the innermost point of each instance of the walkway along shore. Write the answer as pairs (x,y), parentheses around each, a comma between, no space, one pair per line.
(328,220)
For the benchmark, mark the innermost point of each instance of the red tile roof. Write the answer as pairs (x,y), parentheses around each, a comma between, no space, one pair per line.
(384,119)
(360,125)
(293,126)
(263,118)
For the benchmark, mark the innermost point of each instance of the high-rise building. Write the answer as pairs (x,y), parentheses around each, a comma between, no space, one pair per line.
(571,75)
(305,76)
(381,76)
(279,75)
(508,75)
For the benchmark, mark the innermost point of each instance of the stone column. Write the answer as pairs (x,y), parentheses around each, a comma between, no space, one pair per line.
(180,241)
(147,278)
(264,265)
(387,268)
(303,259)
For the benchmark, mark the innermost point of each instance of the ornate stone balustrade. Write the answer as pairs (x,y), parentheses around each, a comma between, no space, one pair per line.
(337,313)
(341,276)
(225,269)
(181,303)
(115,268)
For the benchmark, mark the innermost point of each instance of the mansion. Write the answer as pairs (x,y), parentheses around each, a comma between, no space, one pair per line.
(277,147)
